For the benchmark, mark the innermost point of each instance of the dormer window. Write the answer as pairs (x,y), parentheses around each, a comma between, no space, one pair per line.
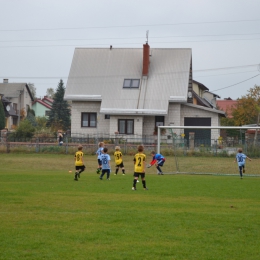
(131,83)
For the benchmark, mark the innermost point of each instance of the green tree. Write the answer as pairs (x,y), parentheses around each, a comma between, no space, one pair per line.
(31,116)
(2,115)
(25,129)
(59,117)
(41,122)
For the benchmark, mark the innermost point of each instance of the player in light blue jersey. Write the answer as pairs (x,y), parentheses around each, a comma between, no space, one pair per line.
(99,153)
(241,161)
(105,159)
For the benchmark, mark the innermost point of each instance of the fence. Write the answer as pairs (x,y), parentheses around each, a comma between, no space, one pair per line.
(169,145)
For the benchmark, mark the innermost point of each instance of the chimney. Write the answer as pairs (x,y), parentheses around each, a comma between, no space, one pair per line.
(5,81)
(146,54)
(111,47)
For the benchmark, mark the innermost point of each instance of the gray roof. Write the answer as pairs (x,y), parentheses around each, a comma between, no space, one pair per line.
(220,112)
(11,90)
(98,74)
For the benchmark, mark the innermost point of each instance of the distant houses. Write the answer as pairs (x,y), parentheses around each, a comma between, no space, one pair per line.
(16,98)
(42,106)
(227,105)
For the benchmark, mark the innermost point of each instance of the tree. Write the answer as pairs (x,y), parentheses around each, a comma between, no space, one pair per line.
(59,117)
(32,89)
(2,115)
(24,130)
(41,122)
(50,92)
(31,117)
(247,109)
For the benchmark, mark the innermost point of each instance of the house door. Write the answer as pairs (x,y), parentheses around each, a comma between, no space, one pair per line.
(201,136)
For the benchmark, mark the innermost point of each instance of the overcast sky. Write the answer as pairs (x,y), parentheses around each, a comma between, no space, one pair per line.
(38,37)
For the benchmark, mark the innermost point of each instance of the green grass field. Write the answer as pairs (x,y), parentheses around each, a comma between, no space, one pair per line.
(46,215)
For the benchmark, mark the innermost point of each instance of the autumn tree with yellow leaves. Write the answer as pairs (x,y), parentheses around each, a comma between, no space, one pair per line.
(247,110)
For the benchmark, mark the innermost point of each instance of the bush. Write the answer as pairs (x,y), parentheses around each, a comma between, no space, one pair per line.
(24,130)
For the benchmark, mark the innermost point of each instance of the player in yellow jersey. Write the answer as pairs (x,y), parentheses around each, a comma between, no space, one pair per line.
(139,167)
(119,160)
(79,164)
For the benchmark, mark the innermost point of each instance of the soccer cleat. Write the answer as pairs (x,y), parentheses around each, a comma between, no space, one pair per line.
(137,181)
(115,174)
(123,174)
(75,179)
(133,188)
(161,173)
(100,178)
(145,188)
(108,179)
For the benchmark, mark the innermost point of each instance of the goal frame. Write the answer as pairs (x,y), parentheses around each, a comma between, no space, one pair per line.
(200,127)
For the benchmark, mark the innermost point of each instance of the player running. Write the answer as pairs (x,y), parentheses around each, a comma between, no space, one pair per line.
(119,160)
(241,161)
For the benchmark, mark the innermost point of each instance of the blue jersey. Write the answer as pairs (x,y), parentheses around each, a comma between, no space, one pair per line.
(105,158)
(158,157)
(99,152)
(241,159)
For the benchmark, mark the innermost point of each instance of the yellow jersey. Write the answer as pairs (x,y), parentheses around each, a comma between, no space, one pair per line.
(139,161)
(118,157)
(78,158)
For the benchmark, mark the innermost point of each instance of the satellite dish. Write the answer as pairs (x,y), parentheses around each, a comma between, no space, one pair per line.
(8,108)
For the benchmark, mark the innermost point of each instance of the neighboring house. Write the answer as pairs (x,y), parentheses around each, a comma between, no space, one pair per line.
(227,105)
(202,96)
(18,99)
(42,107)
(130,91)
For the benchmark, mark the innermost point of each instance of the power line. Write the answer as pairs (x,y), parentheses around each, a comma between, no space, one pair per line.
(126,26)
(236,83)
(169,72)
(127,38)
(101,44)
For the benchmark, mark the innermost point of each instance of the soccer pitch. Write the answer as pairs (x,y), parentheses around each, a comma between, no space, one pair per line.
(46,215)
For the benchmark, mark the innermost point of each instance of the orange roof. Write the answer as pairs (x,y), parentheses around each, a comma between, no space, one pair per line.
(227,105)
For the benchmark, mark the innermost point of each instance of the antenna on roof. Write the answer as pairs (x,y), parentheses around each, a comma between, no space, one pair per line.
(147,33)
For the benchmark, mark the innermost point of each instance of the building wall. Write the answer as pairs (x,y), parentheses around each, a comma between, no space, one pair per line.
(187,111)
(39,109)
(143,125)
(89,107)
(196,88)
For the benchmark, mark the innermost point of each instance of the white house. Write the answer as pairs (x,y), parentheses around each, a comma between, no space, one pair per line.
(130,91)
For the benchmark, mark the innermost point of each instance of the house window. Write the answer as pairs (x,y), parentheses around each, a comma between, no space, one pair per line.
(159,121)
(107,116)
(126,126)
(15,108)
(88,119)
(47,112)
(131,83)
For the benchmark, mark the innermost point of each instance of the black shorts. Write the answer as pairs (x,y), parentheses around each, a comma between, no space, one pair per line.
(121,165)
(82,168)
(99,162)
(137,174)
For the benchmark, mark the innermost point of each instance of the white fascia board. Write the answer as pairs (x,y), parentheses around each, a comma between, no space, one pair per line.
(117,111)
(178,99)
(83,97)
